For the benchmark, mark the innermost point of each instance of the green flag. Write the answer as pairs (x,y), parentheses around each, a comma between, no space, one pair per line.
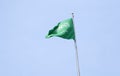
(64,29)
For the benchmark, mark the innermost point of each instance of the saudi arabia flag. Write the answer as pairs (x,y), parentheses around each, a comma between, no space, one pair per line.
(64,29)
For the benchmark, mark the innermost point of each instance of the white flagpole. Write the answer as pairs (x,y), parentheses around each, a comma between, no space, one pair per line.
(75,43)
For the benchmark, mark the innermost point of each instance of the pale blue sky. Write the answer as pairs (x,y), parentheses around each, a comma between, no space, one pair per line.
(24,51)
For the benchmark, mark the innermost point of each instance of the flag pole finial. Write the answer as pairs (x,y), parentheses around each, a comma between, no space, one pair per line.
(72,15)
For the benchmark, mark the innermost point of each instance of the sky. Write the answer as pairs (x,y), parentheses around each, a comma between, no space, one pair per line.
(24,50)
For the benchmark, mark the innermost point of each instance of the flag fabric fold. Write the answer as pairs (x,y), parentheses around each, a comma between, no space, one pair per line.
(64,29)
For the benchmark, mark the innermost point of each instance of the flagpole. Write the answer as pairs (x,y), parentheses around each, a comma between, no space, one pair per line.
(75,44)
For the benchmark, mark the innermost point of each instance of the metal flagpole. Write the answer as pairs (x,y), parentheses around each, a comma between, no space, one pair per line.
(77,59)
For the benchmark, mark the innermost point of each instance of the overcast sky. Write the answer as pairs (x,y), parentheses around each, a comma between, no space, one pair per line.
(24,51)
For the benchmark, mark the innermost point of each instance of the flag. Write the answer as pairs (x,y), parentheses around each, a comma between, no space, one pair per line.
(64,29)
